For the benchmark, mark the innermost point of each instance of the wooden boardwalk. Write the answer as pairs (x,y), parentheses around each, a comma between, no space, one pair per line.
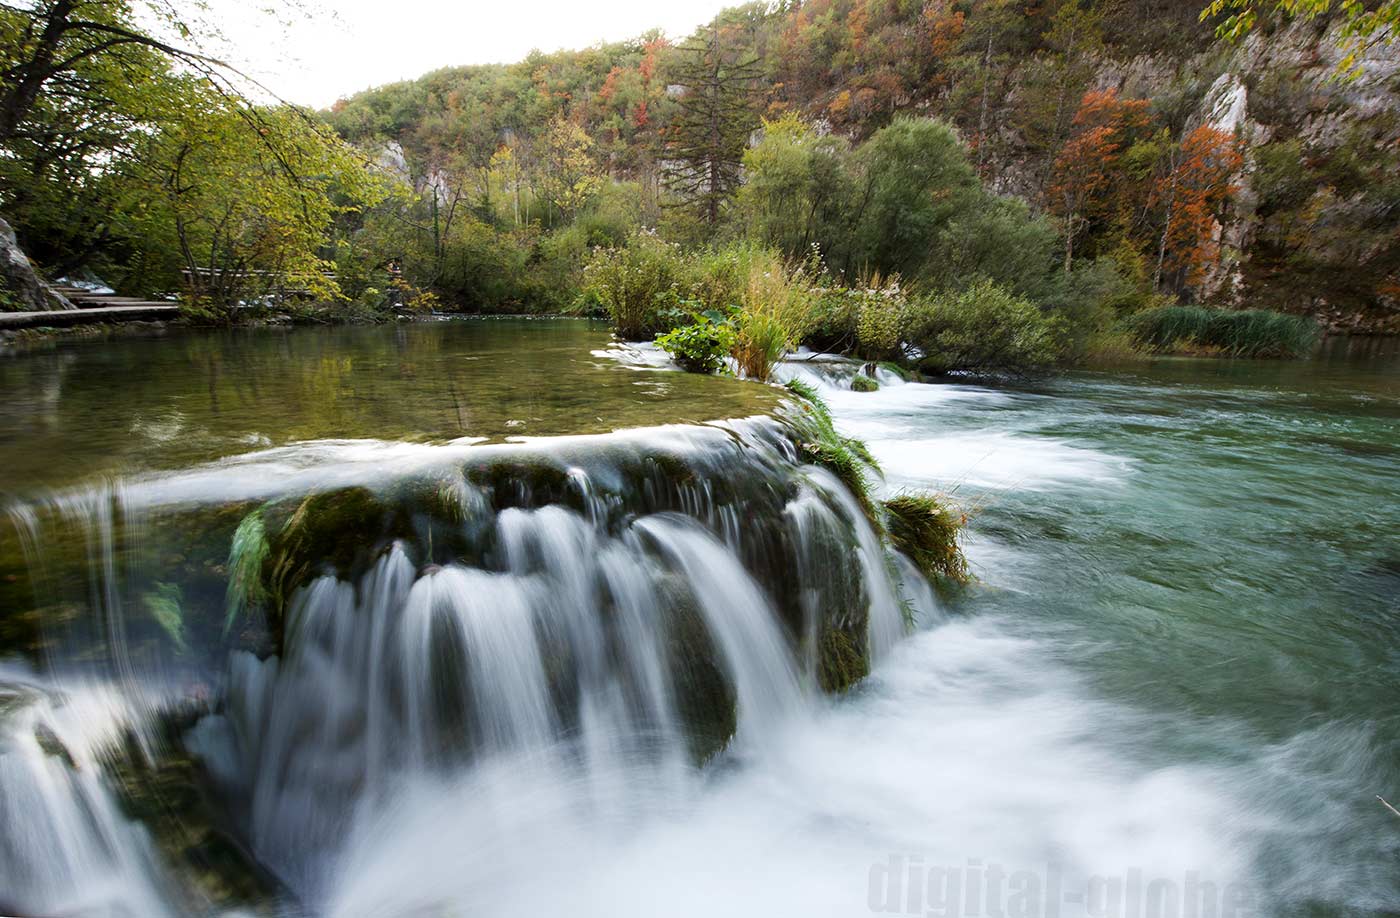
(86,299)
(93,308)
(137,311)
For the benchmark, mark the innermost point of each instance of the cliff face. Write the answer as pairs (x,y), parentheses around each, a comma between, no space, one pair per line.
(1315,224)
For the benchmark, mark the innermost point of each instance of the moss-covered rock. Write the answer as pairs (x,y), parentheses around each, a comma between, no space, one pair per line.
(842,660)
(864,383)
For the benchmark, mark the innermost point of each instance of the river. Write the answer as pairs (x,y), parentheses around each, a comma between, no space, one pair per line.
(1171,691)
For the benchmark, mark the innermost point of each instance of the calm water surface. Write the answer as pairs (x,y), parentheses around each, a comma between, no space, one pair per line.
(74,410)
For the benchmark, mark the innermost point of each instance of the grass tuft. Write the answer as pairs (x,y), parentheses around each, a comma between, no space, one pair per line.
(925,527)
(245,563)
(819,443)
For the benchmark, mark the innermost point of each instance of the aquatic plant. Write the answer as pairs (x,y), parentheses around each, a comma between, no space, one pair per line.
(245,562)
(926,527)
(701,346)
(165,605)
(1234,333)
(863,383)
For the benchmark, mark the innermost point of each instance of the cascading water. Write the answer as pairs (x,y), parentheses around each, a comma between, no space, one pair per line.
(375,678)
(604,613)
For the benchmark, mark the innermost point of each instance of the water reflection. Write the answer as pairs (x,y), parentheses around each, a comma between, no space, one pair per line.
(80,409)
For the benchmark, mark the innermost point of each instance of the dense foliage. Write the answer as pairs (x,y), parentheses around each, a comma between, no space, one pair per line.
(888,179)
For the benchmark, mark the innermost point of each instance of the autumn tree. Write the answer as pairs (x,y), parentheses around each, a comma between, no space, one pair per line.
(1191,193)
(1086,172)
(712,127)
(569,174)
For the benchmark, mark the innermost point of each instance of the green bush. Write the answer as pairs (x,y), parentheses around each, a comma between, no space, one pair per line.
(863,383)
(881,313)
(1235,333)
(981,329)
(637,284)
(701,346)
(834,319)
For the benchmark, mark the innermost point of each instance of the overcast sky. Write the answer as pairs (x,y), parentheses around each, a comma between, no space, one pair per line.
(349,45)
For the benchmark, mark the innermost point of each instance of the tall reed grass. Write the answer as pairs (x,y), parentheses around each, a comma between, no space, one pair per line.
(1233,333)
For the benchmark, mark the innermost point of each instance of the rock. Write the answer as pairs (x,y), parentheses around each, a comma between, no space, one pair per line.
(20,288)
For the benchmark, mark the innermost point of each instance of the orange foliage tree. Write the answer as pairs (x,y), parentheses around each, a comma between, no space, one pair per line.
(1087,178)
(1192,194)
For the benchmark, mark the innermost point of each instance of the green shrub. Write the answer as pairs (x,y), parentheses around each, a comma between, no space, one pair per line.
(834,319)
(718,278)
(981,329)
(881,313)
(637,284)
(925,527)
(1085,304)
(701,346)
(1235,333)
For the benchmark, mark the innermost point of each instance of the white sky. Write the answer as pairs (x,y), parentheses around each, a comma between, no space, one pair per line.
(348,45)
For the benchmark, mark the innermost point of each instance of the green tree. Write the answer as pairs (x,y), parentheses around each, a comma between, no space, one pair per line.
(916,177)
(798,189)
(251,211)
(712,127)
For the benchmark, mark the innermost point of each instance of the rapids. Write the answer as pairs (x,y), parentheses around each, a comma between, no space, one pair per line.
(582,672)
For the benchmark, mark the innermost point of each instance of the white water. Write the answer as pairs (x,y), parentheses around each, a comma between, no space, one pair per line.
(970,750)
(506,741)
(65,848)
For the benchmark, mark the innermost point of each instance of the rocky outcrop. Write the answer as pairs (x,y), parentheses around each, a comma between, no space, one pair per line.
(21,289)
(1313,225)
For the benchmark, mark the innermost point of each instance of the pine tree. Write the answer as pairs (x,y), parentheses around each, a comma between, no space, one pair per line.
(711,130)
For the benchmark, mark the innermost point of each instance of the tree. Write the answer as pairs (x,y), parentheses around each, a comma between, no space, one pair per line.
(712,127)
(249,212)
(798,188)
(915,178)
(1364,24)
(1192,193)
(1086,171)
(570,177)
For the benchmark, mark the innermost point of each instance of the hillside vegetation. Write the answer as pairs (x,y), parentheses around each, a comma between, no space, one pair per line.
(856,174)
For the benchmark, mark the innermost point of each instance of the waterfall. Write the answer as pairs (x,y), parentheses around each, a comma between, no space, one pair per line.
(67,848)
(613,612)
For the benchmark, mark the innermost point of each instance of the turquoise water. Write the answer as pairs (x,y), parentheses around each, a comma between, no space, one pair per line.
(1180,663)
(1213,549)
